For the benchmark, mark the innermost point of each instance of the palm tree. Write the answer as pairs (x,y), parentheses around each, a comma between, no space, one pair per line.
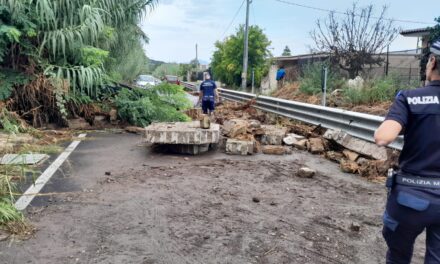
(69,40)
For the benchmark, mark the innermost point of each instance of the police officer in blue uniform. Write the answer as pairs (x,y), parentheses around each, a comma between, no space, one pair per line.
(208,95)
(414,190)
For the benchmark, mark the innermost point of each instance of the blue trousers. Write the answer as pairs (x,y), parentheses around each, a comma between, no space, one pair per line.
(409,211)
(208,106)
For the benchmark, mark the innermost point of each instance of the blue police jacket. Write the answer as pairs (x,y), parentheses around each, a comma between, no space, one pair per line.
(207,88)
(418,111)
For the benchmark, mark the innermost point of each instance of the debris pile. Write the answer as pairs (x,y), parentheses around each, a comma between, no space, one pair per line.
(247,131)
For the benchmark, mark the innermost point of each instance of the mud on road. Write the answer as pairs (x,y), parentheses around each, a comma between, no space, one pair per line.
(210,209)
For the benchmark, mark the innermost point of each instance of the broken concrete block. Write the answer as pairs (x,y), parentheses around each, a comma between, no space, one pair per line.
(254,124)
(362,161)
(275,150)
(100,121)
(316,145)
(358,145)
(185,133)
(349,166)
(239,147)
(113,114)
(273,135)
(305,172)
(78,124)
(23,159)
(291,139)
(351,155)
(135,130)
(334,156)
(235,127)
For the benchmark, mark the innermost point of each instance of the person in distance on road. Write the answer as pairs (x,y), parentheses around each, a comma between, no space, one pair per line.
(414,190)
(208,95)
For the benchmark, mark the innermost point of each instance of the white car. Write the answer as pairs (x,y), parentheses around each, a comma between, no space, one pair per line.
(145,81)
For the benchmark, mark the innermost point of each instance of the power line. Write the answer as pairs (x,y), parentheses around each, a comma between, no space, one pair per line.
(233,19)
(343,13)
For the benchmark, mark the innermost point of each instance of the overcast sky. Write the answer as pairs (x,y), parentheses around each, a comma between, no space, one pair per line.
(175,26)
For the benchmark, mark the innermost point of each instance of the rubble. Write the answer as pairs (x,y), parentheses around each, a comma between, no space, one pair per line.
(358,145)
(273,135)
(316,145)
(291,139)
(135,130)
(78,124)
(275,150)
(334,156)
(305,172)
(351,155)
(239,147)
(235,127)
(349,166)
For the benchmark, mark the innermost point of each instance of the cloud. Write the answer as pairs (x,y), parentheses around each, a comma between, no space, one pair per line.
(174,27)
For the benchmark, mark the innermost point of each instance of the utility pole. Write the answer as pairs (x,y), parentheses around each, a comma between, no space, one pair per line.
(246,47)
(197,55)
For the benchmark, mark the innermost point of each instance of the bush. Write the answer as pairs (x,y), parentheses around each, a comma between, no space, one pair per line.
(310,79)
(377,90)
(162,103)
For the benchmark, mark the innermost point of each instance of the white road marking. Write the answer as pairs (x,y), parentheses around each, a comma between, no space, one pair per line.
(34,189)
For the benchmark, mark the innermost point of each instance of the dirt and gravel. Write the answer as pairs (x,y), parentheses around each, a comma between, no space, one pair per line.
(125,204)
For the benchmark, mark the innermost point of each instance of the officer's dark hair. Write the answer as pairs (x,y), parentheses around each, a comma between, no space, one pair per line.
(437,61)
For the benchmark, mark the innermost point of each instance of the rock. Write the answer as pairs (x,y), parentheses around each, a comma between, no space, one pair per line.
(353,156)
(135,130)
(205,122)
(334,156)
(362,161)
(303,144)
(358,145)
(78,124)
(355,227)
(349,166)
(292,139)
(306,173)
(239,147)
(235,127)
(273,135)
(274,150)
(100,121)
(108,173)
(255,200)
(316,145)
(254,124)
(186,159)
(113,115)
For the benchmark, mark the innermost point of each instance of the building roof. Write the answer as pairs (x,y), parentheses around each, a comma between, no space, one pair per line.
(303,56)
(418,32)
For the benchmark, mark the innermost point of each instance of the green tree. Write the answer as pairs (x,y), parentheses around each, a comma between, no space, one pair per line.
(71,40)
(167,69)
(286,51)
(227,60)
(434,35)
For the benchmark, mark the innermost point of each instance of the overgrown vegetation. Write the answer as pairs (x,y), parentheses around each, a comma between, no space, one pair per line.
(377,90)
(161,103)
(77,45)
(310,79)
(227,60)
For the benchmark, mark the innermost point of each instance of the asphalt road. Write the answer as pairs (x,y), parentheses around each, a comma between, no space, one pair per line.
(123,203)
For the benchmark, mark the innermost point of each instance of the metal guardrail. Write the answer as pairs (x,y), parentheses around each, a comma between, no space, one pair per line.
(190,86)
(356,124)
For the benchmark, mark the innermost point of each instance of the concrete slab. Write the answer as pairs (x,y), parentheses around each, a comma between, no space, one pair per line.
(182,133)
(22,159)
